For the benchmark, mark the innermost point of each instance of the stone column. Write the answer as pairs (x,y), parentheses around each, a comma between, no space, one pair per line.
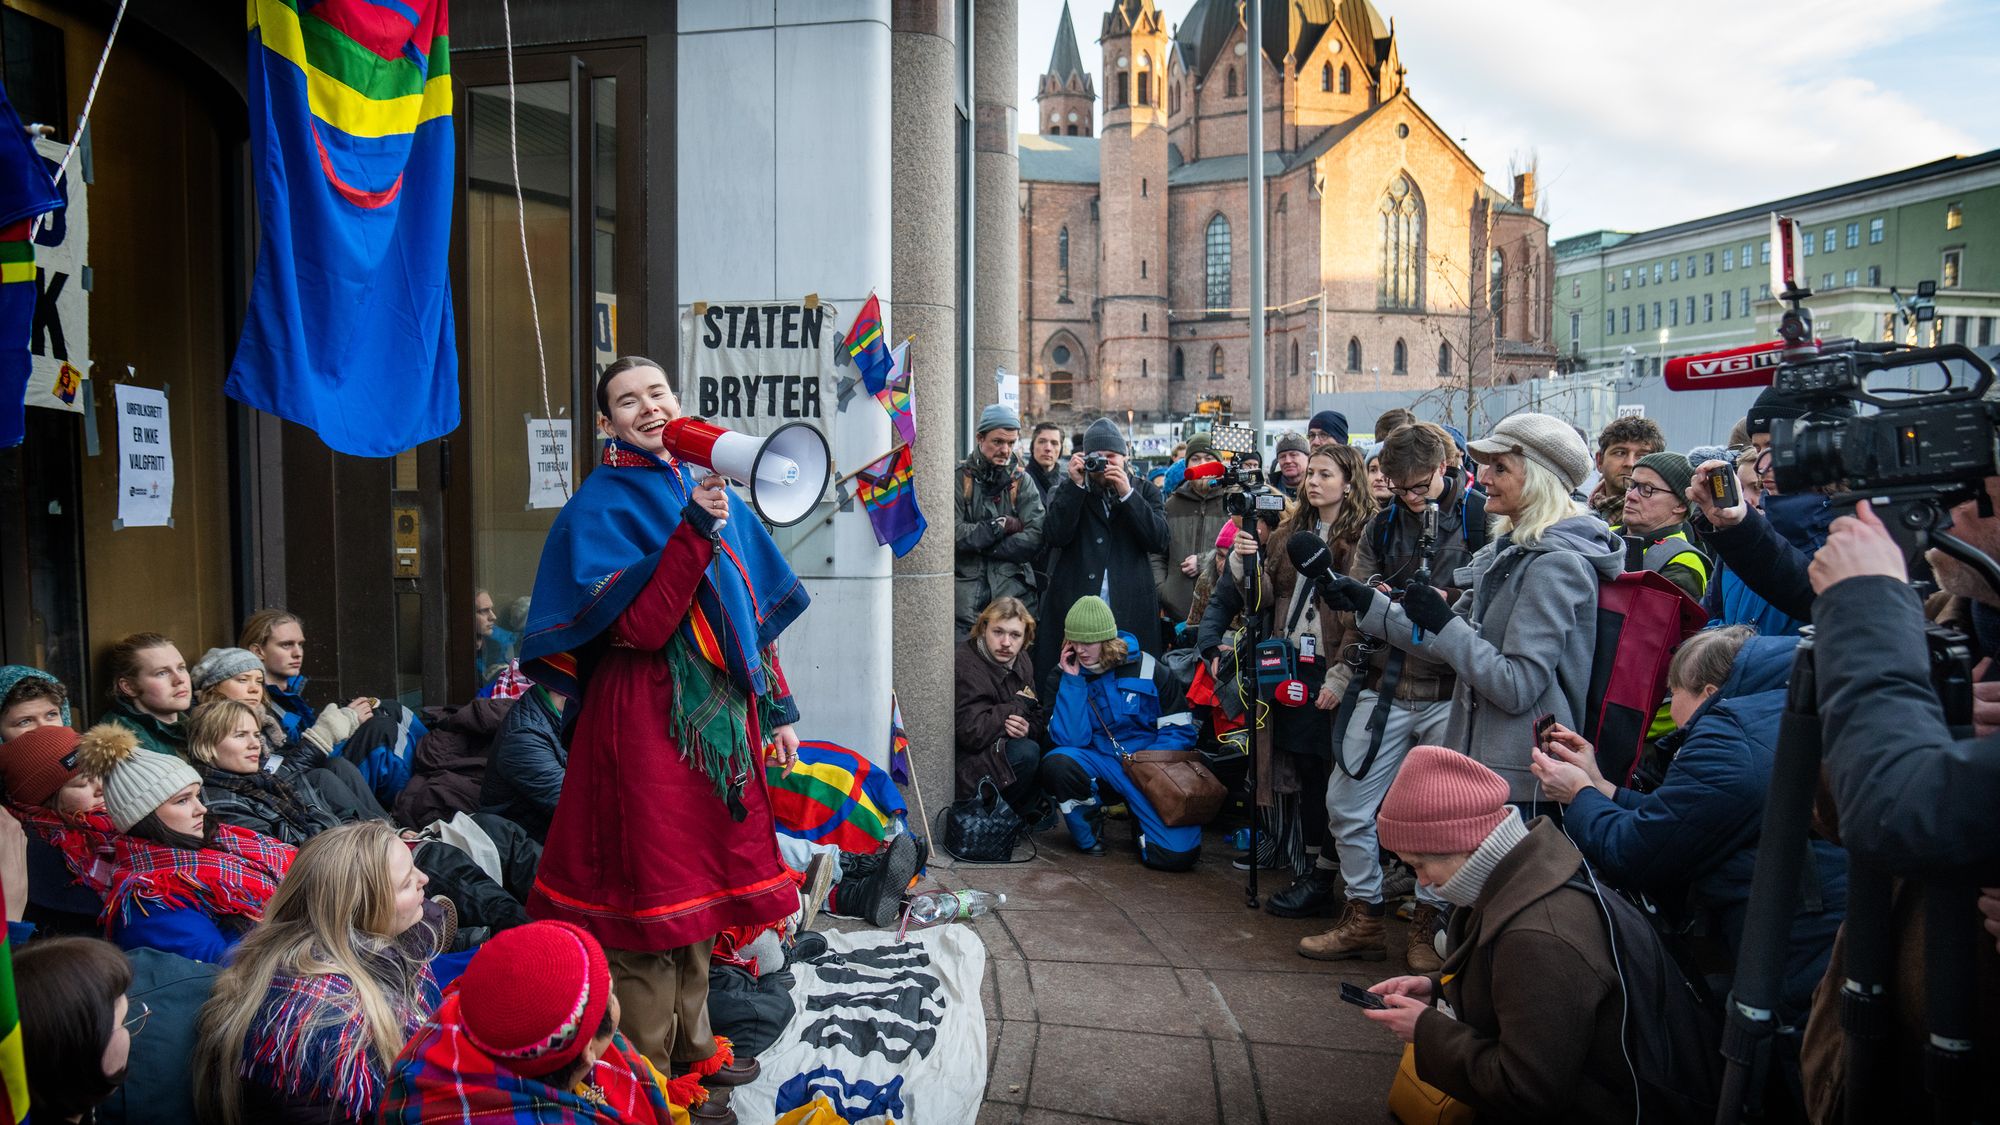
(924,280)
(996,299)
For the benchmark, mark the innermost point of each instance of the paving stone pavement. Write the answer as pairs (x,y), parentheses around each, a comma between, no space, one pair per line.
(1117,993)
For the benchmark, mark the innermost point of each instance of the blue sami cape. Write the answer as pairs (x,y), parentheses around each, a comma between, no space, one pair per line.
(601,552)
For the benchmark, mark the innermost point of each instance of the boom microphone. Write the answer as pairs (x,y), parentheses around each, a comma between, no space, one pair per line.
(1309,555)
(1751,366)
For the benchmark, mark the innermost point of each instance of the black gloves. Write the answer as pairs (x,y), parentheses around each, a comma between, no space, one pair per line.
(1425,607)
(983,535)
(1342,592)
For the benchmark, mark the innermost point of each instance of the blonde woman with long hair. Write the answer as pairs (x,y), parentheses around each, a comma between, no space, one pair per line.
(307,1019)
(1522,638)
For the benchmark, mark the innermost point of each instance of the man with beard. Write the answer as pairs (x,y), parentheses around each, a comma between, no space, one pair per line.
(999,526)
(1619,449)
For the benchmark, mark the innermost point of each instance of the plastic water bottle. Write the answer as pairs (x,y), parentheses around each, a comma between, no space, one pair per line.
(1240,839)
(938,907)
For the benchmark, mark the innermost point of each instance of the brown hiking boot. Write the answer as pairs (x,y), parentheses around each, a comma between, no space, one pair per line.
(1358,936)
(1421,954)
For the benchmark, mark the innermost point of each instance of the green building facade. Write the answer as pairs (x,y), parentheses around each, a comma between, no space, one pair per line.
(1704,285)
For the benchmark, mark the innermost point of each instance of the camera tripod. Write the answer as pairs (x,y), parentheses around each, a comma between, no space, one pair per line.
(1951,934)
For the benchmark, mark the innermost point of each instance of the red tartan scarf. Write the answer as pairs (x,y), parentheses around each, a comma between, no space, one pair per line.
(86,841)
(234,876)
(441,1076)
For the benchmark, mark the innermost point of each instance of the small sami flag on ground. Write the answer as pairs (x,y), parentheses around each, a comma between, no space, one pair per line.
(890,498)
(895,396)
(899,743)
(13,1063)
(866,346)
(834,796)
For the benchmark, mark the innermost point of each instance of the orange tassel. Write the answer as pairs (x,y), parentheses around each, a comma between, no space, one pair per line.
(725,1053)
(686,1091)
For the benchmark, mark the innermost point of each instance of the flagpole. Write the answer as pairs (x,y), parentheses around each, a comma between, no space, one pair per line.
(1255,11)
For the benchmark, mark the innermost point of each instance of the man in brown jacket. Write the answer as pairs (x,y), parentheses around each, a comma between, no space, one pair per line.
(999,717)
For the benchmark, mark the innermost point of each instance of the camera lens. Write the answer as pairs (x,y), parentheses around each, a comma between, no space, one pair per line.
(1806,455)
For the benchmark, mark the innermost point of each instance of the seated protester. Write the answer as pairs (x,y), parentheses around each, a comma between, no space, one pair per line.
(30,698)
(998,716)
(237,674)
(1656,532)
(380,746)
(312,1010)
(69,841)
(529,1033)
(1526,1021)
(526,763)
(449,765)
(1693,840)
(1106,702)
(150,690)
(237,790)
(179,881)
(76,1024)
(166,996)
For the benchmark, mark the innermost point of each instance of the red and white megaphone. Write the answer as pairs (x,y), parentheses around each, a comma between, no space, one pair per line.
(786,473)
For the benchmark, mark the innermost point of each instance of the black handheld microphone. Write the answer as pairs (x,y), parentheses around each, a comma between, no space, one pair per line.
(1309,555)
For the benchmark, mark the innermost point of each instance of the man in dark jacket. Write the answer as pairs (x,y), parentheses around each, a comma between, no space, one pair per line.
(448,764)
(1289,466)
(1045,445)
(1103,527)
(999,716)
(525,767)
(999,525)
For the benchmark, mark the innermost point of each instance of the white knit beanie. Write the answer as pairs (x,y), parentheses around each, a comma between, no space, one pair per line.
(1547,441)
(136,782)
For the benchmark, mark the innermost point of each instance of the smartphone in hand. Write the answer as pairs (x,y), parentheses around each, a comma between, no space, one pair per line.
(1360,997)
(1724,488)
(1543,726)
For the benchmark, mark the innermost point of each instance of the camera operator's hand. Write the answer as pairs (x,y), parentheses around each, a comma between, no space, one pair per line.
(1985,701)
(1328,699)
(1989,906)
(1076,469)
(1191,565)
(1857,546)
(1342,592)
(1245,545)
(1116,482)
(1425,607)
(1699,495)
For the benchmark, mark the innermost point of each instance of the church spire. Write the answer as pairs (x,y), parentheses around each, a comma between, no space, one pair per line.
(1066,97)
(1066,60)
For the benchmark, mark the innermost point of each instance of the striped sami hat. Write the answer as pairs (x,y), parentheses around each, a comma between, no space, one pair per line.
(533,996)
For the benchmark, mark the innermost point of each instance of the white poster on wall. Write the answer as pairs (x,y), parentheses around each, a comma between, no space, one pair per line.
(59,345)
(755,367)
(145,458)
(1010,388)
(548,462)
(1631,410)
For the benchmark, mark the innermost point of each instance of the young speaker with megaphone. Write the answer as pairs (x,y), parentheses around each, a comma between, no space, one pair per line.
(786,473)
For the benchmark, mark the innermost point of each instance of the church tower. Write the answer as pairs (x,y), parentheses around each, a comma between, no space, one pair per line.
(1065,100)
(1132,181)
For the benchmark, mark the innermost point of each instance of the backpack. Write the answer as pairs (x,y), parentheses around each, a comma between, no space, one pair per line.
(1672,1038)
(1641,619)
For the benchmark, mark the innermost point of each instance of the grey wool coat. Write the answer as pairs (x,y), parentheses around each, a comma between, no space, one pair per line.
(1522,642)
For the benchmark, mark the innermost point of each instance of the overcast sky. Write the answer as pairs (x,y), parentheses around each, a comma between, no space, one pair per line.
(1642,115)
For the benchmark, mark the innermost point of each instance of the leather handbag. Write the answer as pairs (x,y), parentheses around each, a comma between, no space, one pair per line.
(1414,1101)
(1177,783)
(981,828)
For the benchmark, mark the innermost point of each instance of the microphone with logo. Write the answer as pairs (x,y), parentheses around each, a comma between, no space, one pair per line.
(1312,560)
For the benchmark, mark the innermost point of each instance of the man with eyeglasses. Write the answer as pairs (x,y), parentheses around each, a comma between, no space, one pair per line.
(1656,532)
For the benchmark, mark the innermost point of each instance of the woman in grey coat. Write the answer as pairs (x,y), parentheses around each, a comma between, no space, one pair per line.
(1522,636)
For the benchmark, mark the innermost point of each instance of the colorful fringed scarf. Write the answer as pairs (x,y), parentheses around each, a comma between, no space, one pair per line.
(232,877)
(441,1076)
(87,841)
(711,714)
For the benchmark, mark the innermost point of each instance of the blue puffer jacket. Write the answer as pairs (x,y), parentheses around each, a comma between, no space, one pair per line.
(1694,839)
(1127,700)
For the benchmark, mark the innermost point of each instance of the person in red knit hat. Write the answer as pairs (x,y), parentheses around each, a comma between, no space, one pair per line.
(530,1033)
(1525,1019)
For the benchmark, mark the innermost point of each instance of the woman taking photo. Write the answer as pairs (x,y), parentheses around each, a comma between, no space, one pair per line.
(306,1021)
(1521,639)
(180,882)
(150,690)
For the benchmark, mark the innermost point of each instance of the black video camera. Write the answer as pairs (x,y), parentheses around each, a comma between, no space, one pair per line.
(1942,438)
(1259,498)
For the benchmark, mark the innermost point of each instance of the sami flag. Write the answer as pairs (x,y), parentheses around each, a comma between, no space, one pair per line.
(890,497)
(899,743)
(25,192)
(349,330)
(835,796)
(865,347)
(895,396)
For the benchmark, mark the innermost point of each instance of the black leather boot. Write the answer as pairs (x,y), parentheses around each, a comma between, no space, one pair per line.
(1316,892)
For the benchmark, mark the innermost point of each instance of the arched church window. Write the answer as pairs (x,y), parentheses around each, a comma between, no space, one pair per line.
(1326,78)
(1402,359)
(1401,215)
(1295,359)
(1496,292)
(1444,360)
(1346,80)
(1218,264)
(1215,362)
(1231,86)
(1179,369)
(1062,262)
(1145,79)
(1353,353)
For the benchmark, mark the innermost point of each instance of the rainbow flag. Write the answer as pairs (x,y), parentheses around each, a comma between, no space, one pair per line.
(835,796)
(866,348)
(899,742)
(895,395)
(349,330)
(13,1064)
(889,496)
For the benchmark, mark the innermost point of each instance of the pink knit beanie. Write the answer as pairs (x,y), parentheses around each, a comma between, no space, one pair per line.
(1226,538)
(1441,803)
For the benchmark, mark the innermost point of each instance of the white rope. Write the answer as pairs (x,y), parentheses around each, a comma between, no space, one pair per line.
(521,210)
(89,99)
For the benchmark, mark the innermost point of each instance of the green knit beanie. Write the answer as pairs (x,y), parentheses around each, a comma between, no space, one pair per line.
(1089,621)
(1673,469)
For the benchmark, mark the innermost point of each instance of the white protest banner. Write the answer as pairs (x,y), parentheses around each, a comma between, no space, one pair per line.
(145,458)
(548,462)
(1010,389)
(59,345)
(755,367)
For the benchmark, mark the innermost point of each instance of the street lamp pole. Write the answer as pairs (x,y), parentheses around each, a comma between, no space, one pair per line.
(1660,361)
(1255,40)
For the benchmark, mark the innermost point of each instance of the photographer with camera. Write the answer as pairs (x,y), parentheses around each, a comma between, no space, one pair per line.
(1102,526)
(1433,527)
(999,525)
(1194,514)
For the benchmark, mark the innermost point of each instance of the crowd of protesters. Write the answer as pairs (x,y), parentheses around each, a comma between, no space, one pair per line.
(1437,682)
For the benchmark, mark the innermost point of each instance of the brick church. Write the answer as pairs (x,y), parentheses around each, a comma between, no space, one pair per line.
(1391,261)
